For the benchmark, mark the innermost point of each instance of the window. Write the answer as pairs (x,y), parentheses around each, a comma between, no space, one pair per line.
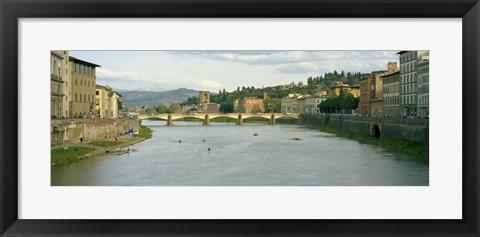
(96,93)
(81,82)
(76,97)
(76,81)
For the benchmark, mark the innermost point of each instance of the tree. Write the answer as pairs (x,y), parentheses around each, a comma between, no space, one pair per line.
(162,109)
(119,104)
(226,107)
(341,99)
(330,105)
(175,108)
(310,81)
(151,111)
(351,102)
(345,101)
(272,105)
(191,101)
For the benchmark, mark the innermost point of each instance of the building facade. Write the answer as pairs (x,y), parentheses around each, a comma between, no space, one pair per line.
(66,84)
(57,84)
(367,92)
(377,100)
(211,108)
(82,88)
(371,91)
(249,105)
(354,90)
(312,104)
(391,95)
(409,82)
(423,110)
(289,104)
(302,103)
(116,101)
(103,102)
(204,97)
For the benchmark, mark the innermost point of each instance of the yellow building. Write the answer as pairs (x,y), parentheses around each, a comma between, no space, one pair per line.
(116,100)
(354,90)
(204,97)
(371,91)
(103,102)
(377,107)
(82,88)
(58,66)
(377,100)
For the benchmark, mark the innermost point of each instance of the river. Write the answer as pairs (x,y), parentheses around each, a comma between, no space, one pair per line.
(237,158)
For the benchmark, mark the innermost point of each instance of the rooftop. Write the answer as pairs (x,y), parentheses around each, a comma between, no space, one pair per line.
(83,62)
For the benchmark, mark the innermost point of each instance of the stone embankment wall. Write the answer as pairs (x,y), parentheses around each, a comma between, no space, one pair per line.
(67,130)
(402,128)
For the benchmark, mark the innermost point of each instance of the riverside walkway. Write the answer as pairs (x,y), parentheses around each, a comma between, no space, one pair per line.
(96,149)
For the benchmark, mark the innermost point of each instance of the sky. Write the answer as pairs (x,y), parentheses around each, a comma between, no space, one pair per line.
(216,70)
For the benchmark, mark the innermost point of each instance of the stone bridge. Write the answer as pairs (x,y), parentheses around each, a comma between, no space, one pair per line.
(239,117)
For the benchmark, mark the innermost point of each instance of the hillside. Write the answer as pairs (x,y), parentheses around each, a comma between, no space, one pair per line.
(151,98)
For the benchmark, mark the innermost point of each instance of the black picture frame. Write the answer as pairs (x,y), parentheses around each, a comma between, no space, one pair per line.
(11,11)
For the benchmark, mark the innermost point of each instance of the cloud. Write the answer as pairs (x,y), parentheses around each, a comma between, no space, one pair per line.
(277,57)
(241,58)
(126,84)
(194,82)
(298,68)
(320,67)
(109,73)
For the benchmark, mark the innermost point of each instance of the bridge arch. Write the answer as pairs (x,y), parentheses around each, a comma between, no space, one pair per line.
(188,116)
(153,118)
(224,116)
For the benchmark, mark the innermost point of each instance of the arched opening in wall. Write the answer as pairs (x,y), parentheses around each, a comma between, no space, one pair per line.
(376,131)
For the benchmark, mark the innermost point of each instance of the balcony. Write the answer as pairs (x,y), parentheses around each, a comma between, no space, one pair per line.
(56,78)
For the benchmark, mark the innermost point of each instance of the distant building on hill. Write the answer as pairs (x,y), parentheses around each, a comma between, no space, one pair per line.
(354,90)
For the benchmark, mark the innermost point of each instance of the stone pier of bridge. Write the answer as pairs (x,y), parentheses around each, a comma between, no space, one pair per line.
(272,119)
(206,120)
(169,120)
(239,120)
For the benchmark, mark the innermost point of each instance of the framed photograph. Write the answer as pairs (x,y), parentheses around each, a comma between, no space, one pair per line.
(247,118)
